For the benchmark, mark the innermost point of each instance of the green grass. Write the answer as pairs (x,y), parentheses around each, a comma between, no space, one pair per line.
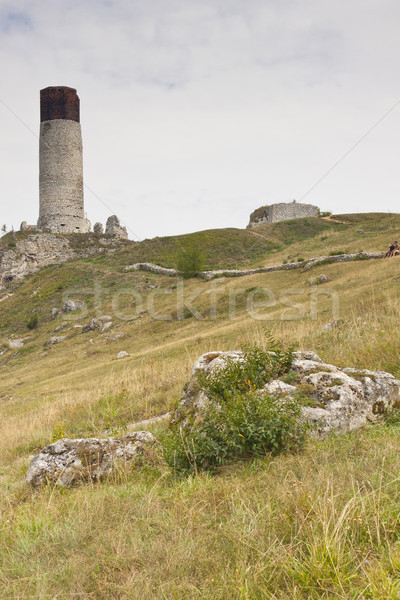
(320,524)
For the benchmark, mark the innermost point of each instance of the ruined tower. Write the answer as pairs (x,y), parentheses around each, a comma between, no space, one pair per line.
(60,163)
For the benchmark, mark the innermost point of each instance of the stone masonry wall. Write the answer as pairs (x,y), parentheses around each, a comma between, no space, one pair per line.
(61,178)
(282,212)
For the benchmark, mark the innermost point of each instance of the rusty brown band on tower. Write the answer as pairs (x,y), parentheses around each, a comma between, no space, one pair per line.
(59,103)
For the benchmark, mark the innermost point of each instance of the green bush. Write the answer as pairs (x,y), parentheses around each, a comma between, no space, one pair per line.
(239,421)
(245,425)
(32,322)
(189,262)
(257,368)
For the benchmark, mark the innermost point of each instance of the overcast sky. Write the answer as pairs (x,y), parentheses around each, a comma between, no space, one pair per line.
(196,112)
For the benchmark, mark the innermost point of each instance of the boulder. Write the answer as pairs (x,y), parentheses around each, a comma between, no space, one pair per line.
(67,462)
(17,343)
(72,305)
(337,399)
(322,278)
(97,323)
(115,229)
(329,326)
(55,340)
(122,354)
(98,228)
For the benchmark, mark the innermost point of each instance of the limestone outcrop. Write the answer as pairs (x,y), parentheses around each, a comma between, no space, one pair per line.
(68,462)
(115,229)
(338,399)
(98,228)
(33,253)
(38,250)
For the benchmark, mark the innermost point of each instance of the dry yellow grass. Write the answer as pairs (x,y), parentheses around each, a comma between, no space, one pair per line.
(322,524)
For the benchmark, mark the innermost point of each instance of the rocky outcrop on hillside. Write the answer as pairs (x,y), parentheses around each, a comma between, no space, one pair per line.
(115,229)
(332,398)
(67,462)
(29,255)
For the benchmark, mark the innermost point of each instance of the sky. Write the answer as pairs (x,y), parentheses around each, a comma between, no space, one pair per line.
(195,113)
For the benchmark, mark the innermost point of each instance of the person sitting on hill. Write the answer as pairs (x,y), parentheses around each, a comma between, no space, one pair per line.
(393,250)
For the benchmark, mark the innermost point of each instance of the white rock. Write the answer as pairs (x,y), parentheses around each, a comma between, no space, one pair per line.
(330,326)
(72,305)
(17,343)
(55,340)
(122,354)
(346,398)
(67,462)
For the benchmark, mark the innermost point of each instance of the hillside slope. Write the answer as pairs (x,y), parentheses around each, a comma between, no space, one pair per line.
(323,524)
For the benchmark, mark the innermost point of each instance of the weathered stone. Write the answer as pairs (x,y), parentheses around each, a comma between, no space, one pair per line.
(54,312)
(98,228)
(72,305)
(116,337)
(68,462)
(96,323)
(341,399)
(329,326)
(322,279)
(122,354)
(115,229)
(304,265)
(17,343)
(55,340)
(282,211)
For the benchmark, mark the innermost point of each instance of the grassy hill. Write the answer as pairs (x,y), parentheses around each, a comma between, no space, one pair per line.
(321,524)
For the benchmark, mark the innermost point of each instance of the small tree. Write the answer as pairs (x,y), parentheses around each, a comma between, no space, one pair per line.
(189,262)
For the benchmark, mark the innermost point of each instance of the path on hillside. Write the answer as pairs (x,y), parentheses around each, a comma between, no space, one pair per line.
(305,265)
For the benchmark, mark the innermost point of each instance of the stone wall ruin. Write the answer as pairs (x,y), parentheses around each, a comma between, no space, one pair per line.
(283,211)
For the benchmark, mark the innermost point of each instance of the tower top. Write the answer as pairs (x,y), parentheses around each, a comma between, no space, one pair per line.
(59,102)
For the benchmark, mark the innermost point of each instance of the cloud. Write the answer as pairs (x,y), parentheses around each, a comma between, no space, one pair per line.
(193,114)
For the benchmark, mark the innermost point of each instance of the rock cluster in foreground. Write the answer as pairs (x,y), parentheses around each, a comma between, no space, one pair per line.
(332,399)
(336,399)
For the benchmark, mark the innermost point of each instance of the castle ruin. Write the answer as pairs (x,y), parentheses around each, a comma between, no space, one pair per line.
(60,163)
(283,211)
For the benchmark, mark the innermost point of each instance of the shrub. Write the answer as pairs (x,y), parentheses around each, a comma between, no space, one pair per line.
(32,322)
(253,372)
(247,424)
(238,421)
(189,262)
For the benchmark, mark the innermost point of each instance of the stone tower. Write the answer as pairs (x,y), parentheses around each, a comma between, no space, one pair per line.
(60,163)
